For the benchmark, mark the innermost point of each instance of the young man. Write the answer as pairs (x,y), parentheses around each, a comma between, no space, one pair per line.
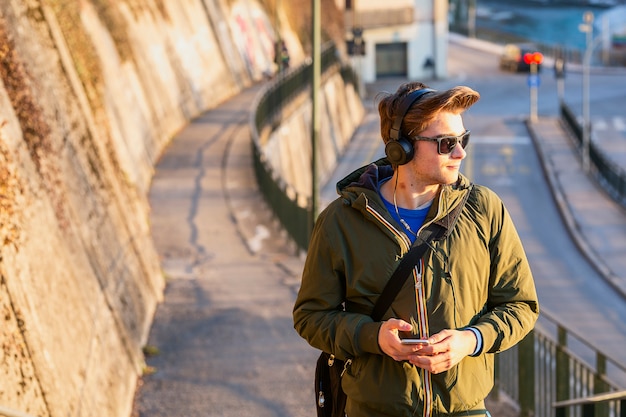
(471,295)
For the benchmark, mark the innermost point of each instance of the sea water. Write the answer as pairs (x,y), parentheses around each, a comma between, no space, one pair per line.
(544,23)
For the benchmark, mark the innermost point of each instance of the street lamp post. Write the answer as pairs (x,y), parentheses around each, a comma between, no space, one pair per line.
(559,73)
(587,28)
(533,92)
(315,100)
(471,19)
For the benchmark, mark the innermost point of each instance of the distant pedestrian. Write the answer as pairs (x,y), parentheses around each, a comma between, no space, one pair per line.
(284,56)
(471,295)
(281,56)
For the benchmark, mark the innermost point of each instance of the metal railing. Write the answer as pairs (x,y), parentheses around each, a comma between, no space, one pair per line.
(609,174)
(292,209)
(594,405)
(571,55)
(550,366)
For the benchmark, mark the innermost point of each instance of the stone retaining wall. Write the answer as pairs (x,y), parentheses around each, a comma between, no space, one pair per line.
(91,92)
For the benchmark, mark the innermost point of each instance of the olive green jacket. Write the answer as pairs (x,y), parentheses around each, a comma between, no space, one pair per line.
(478,276)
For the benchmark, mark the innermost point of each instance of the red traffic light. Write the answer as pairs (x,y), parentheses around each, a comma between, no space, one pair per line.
(533,57)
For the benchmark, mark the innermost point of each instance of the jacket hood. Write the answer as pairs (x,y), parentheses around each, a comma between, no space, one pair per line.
(367,177)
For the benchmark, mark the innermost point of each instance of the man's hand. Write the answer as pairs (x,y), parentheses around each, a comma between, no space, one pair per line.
(446,349)
(390,343)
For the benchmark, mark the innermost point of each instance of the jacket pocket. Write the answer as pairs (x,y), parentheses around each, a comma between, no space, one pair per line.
(470,382)
(382,383)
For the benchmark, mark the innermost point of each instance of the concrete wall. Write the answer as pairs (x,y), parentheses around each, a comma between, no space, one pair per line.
(90,94)
(426,39)
(288,148)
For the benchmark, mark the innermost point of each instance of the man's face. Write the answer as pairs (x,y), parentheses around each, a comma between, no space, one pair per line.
(427,165)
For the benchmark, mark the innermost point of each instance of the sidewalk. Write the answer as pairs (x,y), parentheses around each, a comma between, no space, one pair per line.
(595,221)
(224,331)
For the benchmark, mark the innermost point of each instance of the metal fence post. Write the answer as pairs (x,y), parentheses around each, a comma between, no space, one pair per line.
(495,391)
(562,369)
(600,386)
(588,410)
(526,375)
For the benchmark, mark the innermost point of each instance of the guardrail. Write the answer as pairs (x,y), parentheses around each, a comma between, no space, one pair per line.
(548,367)
(292,209)
(608,173)
(613,404)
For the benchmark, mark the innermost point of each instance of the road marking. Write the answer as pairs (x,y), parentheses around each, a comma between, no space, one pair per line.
(601,124)
(619,123)
(506,153)
(501,140)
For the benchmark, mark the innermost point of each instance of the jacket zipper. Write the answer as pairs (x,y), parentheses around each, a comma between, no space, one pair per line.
(420,298)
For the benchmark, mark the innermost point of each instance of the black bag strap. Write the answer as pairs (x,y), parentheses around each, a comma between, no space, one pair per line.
(402,272)
(434,231)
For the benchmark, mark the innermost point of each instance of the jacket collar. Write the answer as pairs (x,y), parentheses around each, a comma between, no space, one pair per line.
(365,180)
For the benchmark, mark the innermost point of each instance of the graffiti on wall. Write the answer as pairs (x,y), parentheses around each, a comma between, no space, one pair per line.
(254,37)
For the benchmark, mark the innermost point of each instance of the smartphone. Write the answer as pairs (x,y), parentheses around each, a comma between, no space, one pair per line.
(415,341)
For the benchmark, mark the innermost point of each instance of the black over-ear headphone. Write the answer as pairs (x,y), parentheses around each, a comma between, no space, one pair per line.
(399,149)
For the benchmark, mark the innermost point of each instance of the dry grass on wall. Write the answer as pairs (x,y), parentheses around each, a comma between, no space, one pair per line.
(83,53)
(299,14)
(36,131)
(10,215)
(16,80)
(86,60)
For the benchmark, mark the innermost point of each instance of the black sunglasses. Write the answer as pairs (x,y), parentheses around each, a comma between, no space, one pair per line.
(446,144)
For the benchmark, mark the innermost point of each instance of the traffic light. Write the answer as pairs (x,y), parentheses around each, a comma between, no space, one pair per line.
(533,58)
(356,45)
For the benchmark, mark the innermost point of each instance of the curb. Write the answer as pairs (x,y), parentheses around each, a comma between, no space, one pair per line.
(572,226)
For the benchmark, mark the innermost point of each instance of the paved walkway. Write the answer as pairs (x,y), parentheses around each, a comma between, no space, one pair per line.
(225,335)
(224,331)
(595,221)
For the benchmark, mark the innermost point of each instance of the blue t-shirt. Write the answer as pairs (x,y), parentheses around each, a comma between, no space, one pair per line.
(414,218)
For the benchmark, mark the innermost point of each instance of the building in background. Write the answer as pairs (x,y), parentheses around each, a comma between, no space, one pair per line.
(399,38)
